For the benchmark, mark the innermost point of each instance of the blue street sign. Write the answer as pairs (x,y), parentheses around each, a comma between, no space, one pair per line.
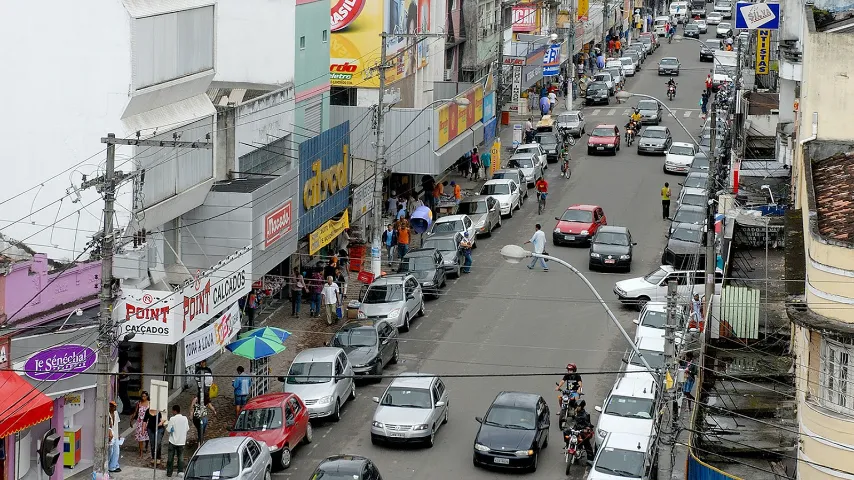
(752,16)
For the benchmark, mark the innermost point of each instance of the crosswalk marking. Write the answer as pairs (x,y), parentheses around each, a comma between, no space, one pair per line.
(611,112)
(596,112)
(687,113)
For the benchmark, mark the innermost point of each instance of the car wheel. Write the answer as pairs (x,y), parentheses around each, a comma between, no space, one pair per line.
(267,475)
(431,439)
(546,442)
(285,457)
(336,415)
(641,302)
(395,356)
(499,222)
(309,433)
(379,371)
(352,392)
(457,274)
(405,326)
(510,215)
(420,312)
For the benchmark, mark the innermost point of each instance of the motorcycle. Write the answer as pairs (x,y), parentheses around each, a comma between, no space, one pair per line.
(567,137)
(574,451)
(568,399)
(630,136)
(671,92)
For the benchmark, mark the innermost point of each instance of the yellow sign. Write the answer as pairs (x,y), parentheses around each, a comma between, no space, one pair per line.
(75,399)
(327,232)
(583,9)
(454,119)
(495,152)
(763,51)
(668,381)
(324,183)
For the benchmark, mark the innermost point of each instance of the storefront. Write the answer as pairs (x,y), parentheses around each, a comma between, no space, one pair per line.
(59,392)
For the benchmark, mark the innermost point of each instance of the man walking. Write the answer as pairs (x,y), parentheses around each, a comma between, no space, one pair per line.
(403,239)
(486,161)
(114,452)
(330,300)
(297,287)
(545,106)
(177,427)
(709,84)
(665,201)
(466,246)
(242,385)
(538,240)
(390,240)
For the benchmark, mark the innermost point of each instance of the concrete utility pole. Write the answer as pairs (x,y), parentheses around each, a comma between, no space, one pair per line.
(711,259)
(668,413)
(499,76)
(571,80)
(605,17)
(377,224)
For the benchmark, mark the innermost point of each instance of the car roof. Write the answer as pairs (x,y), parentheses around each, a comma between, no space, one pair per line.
(420,252)
(582,206)
(319,354)
(627,441)
(413,380)
(691,208)
(641,386)
(703,174)
(441,236)
(669,58)
(347,464)
(361,323)
(605,125)
(525,155)
(654,307)
(613,229)
(218,446)
(602,73)
(655,344)
(574,112)
(682,144)
(474,198)
(449,218)
(689,226)
(268,400)
(528,145)
(390,279)
(516,399)
(693,191)
(654,128)
(496,181)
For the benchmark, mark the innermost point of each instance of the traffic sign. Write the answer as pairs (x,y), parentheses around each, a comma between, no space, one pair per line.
(753,16)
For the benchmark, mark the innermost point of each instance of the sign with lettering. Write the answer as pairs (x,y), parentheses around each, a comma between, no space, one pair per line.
(753,16)
(363,198)
(551,60)
(277,223)
(324,177)
(763,51)
(327,232)
(60,362)
(157,316)
(524,18)
(207,341)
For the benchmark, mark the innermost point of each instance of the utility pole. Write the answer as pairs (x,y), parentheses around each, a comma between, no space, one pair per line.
(605,17)
(571,80)
(711,259)
(668,413)
(499,77)
(377,224)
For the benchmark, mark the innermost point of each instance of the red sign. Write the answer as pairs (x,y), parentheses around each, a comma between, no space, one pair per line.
(198,304)
(344,12)
(365,277)
(146,313)
(524,19)
(277,224)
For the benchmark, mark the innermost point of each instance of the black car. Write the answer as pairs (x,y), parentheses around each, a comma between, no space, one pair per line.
(369,344)
(597,92)
(669,66)
(692,30)
(514,430)
(689,215)
(550,143)
(448,244)
(700,163)
(427,266)
(351,467)
(611,247)
(685,247)
(707,51)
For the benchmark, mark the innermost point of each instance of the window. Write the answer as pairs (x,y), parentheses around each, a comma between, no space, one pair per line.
(302,42)
(254,450)
(837,361)
(246,460)
(325,35)
(295,406)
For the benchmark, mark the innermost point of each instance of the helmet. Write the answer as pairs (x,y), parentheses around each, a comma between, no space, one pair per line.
(571,366)
(582,404)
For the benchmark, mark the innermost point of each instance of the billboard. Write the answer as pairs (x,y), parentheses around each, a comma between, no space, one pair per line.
(763,51)
(551,61)
(583,10)
(324,175)
(753,16)
(489,106)
(524,19)
(455,119)
(407,17)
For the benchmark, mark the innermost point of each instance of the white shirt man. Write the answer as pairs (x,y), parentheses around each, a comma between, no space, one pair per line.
(552,99)
(177,428)
(330,300)
(538,240)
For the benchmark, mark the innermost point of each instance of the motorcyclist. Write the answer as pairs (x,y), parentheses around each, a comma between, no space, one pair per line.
(636,116)
(583,423)
(572,380)
(671,84)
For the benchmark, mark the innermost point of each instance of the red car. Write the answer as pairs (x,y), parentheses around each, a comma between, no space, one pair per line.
(604,138)
(278,419)
(578,224)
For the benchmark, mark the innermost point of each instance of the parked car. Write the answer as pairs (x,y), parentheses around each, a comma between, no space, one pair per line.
(323,379)
(650,111)
(427,266)
(514,174)
(724,8)
(606,78)
(653,318)
(618,75)
(636,60)
(654,140)
(696,180)
(578,224)
(685,246)
(693,196)
(530,166)
(653,286)
(448,246)
(688,214)
(534,148)
(514,430)
(550,144)
(611,247)
(411,409)
(508,194)
(652,349)
(624,456)
(702,25)
(604,138)
(396,298)
(629,408)
(707,51)
(700,163)
(628,66)
(692,30)
(369,344)
(484,212)
(637,48)
(651,39)
(573,121)
(679,157)
(280,420)
(453,224)
(349,467)
(668,66)
(597,92)
(238,458)
(723,30)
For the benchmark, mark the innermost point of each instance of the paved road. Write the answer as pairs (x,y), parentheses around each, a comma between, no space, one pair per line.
(505,318)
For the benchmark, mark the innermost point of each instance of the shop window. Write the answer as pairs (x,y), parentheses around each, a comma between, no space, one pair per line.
(835,385)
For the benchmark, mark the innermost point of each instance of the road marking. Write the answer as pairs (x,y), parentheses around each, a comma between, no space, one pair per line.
(611,112)
(687,113)
(596,112)
(627,111)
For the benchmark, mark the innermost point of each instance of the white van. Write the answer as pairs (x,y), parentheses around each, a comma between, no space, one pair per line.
(658,26)
(679,10)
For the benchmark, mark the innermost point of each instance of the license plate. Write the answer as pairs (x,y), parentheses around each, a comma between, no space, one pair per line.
(610,261)
(570,237)
(600,148)
(395,435)
(502,461)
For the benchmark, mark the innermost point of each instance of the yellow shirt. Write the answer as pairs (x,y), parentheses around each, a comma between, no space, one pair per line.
(665,193)
(636,117)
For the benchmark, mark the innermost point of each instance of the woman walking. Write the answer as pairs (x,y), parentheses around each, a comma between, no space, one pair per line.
(200,415)
(140,432)
(155,432)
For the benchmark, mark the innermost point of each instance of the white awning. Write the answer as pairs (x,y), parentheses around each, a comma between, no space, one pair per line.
(171,116)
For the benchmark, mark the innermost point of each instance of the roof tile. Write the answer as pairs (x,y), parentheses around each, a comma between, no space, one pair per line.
(833,180)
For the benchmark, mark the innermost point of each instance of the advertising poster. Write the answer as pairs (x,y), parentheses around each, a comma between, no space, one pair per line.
(583,10)
(763,51)
(407,17)
(354,45)
(455,119)
(524,18)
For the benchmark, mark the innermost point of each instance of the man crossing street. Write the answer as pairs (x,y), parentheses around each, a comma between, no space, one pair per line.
(665,201)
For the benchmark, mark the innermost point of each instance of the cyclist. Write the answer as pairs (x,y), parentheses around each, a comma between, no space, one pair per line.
(542,190)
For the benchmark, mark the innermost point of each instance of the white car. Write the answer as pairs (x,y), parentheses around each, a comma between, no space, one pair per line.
(629,408)
(652,350)
(607,79)
(617,74)
(679,157)
(723,29)
(702,25)
(506,192)
(660,23)
(724,8)
(624,456)
(453,224)
(613,62)
(536,149)
(529,164)
(714,18)
(653,287)
(628,66)
(653,318)
(411,409)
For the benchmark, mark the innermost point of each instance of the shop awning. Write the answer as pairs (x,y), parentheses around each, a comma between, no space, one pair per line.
(21,404)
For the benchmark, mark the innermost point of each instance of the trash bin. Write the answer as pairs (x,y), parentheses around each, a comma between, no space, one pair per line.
(357,252)
(505,117)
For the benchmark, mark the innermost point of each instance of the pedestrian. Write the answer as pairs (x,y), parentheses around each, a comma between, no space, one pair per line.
(242,386)
(113,423)
(538,240)
(153,421)
(177,427)
(315,287)
(532,101)
(342,279)
(403,238)
(665,201)
(475,164)
(545,106)
(704,104)
(390,241)
(297,287)
(401,211)
(486,160)
(201,406)
(330,300)
(690,375)
(124,382)
(529,130)
(696,313)
(252,307)
(466,245)
(137,418)
(204,376)
(618,47)
(611,47)
(458,192)
(552,101)
(709,84)
(465,169)
(392,203)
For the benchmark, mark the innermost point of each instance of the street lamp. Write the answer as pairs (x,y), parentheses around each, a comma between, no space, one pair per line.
(624,95)
(78,312)
(515,254)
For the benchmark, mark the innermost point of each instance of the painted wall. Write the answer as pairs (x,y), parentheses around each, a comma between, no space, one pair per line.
(75,288)
(312,77)
(262,120)
(826,86)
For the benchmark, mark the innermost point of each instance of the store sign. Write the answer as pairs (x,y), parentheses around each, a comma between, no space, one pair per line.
(204,343)
(325,182)
(516,92)
(60,362)
(524,19)
(277,224)
(327,232)
(753,16)
(363,198)
(489,107)
(455,119)
(763,51)
(157,316)
(583,10)
(551,61)
(324,173)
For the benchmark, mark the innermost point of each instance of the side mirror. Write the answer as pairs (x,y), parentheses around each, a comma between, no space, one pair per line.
(636,321)
(557,218)
(479,419)
(385,341)
(376,399)
(326,344)
(598,408)
(410,296)
(440,404)
(634,243)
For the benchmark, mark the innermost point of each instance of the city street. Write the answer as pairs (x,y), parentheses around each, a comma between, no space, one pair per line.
(504,318)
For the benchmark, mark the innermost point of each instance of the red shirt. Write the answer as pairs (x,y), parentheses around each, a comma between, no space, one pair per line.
(542,186)
(708,82)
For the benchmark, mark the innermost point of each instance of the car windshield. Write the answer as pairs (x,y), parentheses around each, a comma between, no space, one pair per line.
(529,148)
(440,244)
(447,227)
(420,263)
(647,105)
(650,133)
(688,216)
(215,466)
(695,181)
(407,398)
(687,235)
(727,70)
(547,138)
(669,61)
(655,359)
(622,463)
(255,419)
(511,417)
(384,293)
(692,26)
(496,189)
(615,72)
(682,150)
(723,26)
(646,40)
(519,163)
(568,118)
(693,199)
(631,407)
(598,86)
(626,61)
(308,373)
(602,77)
(713,44)
(573,215)
(355,337)
(655,277)
(700,162)
(602,132)
(470,208)
(612,238)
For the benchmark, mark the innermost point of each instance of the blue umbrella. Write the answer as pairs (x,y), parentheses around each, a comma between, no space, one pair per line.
(271,333)
(254,348)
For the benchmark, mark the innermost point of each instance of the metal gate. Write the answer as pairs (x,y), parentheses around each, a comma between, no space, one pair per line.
(740,312)
(314,118)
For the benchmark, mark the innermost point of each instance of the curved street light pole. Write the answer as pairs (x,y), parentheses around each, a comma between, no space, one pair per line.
(627,95)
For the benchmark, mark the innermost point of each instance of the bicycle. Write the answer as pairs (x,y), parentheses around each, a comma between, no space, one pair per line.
(541,202)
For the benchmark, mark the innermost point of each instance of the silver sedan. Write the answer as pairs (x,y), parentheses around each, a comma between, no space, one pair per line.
(410,410)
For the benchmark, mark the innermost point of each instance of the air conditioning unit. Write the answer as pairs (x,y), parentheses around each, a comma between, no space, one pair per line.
(449,74)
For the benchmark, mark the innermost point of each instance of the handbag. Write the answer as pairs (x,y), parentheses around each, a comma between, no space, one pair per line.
(213,391)
(339,312)
(545,253)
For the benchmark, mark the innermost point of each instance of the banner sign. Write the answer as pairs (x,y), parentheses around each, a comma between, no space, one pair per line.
(524,19)
(277,223)
(752,16)
(327,232)
(203,344)
(763,51)
(455,119)
(551,61)
(324,174)
(158,316)
(488,107)
(363,198)
(583,10)
(60,362)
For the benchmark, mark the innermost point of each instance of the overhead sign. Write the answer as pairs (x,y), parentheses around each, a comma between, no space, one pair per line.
(753,16)
(157,316)
(763,51)
(327,232)
(204,343)
(551,61)
(524,19)
(60,362)
(517,84)
(363,198)
(489,107)
(583,10)
(277,223)
(454,119)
